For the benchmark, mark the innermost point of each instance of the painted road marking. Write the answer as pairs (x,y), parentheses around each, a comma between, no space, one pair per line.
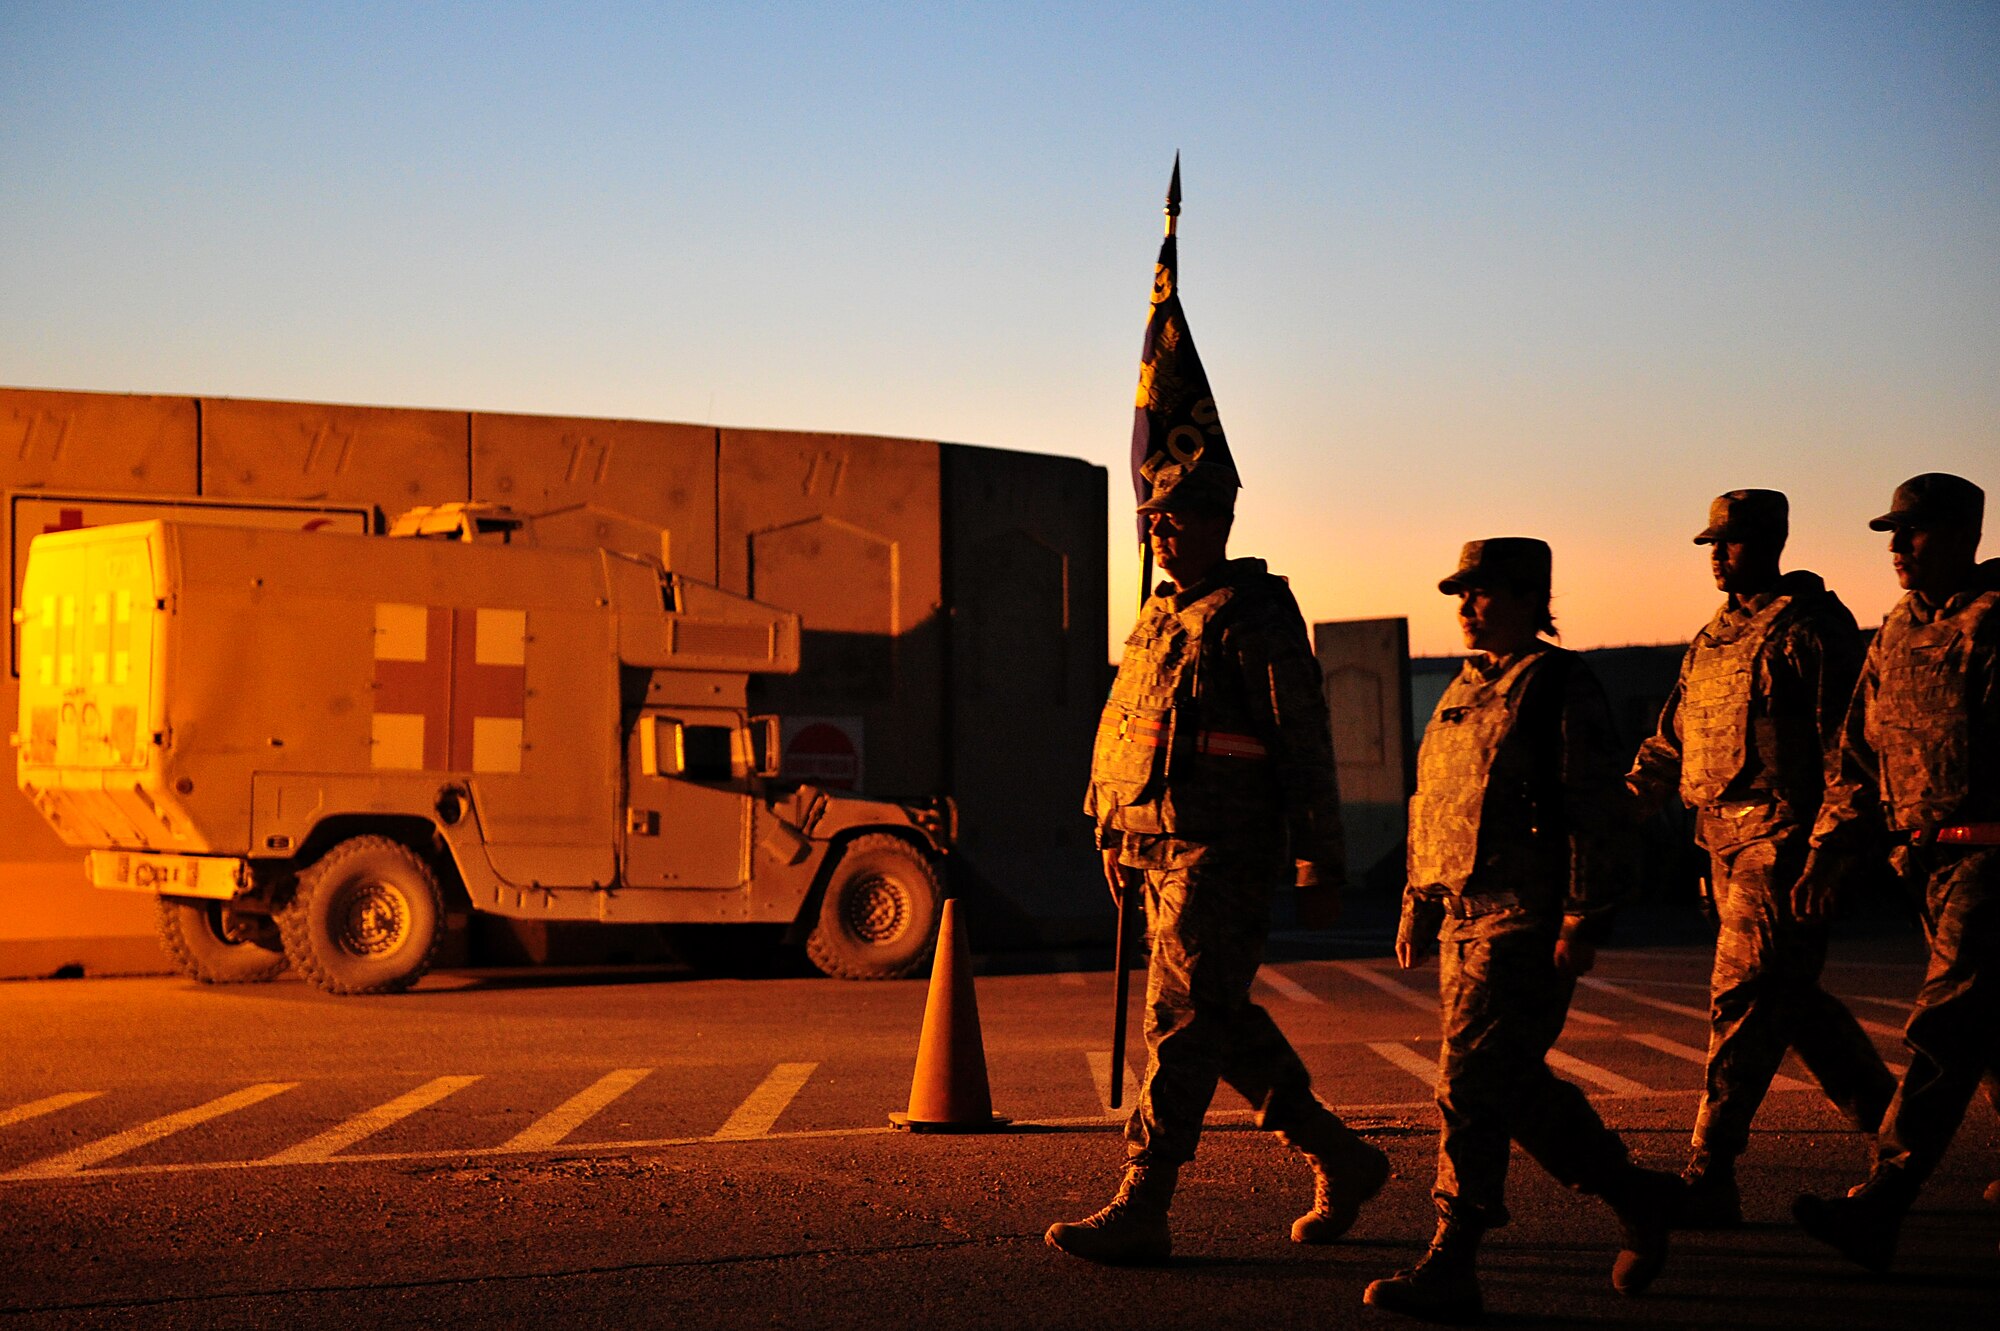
(574,1112)
(1070,979)
(47,1105)
(1880,1028)
(1423,1002)
(1900,1004)
(118,1143)
(1661,1004)
(1100,1077)
(344,1135)
(1402,1055)
(1287,987)
(1590,1018)
(754,1117)
(1687,1053)
(1595,1075)
(1409,1060)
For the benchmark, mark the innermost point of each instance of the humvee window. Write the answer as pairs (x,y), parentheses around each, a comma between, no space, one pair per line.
(706,750)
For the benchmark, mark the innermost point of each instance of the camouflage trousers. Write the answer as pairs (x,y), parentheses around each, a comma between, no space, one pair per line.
(1207,924)
(1502,1005)
(1765,996)
(1954,1029)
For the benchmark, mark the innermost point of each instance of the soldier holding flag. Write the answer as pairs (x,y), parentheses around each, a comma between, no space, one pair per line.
(1212,781)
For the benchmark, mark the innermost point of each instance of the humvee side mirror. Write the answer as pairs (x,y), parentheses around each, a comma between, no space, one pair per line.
(766,754)
(662,747)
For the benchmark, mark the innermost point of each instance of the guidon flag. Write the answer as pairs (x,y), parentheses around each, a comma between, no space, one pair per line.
(1175,420)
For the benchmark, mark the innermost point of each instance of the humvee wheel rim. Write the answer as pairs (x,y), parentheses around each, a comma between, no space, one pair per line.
(876,910)
(373,919)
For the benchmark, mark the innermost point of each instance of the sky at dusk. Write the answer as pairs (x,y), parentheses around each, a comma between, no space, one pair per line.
(1456,270)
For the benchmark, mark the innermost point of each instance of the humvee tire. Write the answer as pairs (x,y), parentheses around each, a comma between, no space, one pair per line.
(216,945)
(880,912)
(367,918)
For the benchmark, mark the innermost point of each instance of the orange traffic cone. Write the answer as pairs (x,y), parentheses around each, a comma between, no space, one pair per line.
(949,1092)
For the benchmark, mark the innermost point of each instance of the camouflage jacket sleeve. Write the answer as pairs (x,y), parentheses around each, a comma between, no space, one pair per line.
(1655,777)
(1287,712)
(1810,672)
(1850,811)
(1591,794)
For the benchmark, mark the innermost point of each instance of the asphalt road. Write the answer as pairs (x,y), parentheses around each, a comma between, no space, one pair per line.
(614,1148)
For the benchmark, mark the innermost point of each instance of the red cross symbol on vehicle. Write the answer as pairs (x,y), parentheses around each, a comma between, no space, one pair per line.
(450,688)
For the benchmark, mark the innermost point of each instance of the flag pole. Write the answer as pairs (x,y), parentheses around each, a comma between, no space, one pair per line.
(1120,963)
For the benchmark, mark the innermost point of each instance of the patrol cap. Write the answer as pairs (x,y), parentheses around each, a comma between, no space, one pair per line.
(1520,561)
(1747,515)
(1192,487)
(1934,499)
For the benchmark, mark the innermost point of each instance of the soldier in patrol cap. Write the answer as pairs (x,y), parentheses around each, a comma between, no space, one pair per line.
(1513,836)
(1920,761)
(1743,740)
(1213,783)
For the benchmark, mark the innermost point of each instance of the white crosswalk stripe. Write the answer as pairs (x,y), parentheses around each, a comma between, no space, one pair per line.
(362,1126)
(772,1099)
(1100,1077)
(1419,999)
(1595,1075)
(1644,1000)
(1687,1053)
(46,1105)
(755,1116)
(1408,1059)
(118,1143)
(1288,987)
(574,1112)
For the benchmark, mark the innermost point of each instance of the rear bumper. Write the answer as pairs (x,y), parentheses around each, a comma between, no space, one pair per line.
(215,876)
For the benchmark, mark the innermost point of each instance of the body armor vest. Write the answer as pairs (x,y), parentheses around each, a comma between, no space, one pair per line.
(1475,778)
(1174,753)
(1718,688)
(1920,720)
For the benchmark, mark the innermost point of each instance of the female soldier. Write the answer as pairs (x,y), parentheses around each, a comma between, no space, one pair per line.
(1512,838)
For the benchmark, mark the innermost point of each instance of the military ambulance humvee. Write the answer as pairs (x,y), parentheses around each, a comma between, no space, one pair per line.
(310,746)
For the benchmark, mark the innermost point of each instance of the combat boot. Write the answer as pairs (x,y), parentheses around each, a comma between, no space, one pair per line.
(1709,1197)
(1132,1229)
(1443,1286)
(1347,1171)
(1645,1202)
(1862,1227)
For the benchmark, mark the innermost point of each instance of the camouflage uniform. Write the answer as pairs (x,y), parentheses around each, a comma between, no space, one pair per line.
(1921,752)
(1744,738)
(1213,771)
(1511,829)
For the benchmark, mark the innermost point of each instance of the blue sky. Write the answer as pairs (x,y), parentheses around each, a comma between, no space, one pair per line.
(1456,270)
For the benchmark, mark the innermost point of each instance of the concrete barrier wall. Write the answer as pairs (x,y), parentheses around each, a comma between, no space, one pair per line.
(953,600)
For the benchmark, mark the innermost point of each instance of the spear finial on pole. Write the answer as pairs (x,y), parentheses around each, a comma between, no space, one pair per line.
(1174,196)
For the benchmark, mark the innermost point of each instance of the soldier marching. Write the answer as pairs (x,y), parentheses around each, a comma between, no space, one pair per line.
(1743,742)
(1213,779)
(1514,871)
(1801,765)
